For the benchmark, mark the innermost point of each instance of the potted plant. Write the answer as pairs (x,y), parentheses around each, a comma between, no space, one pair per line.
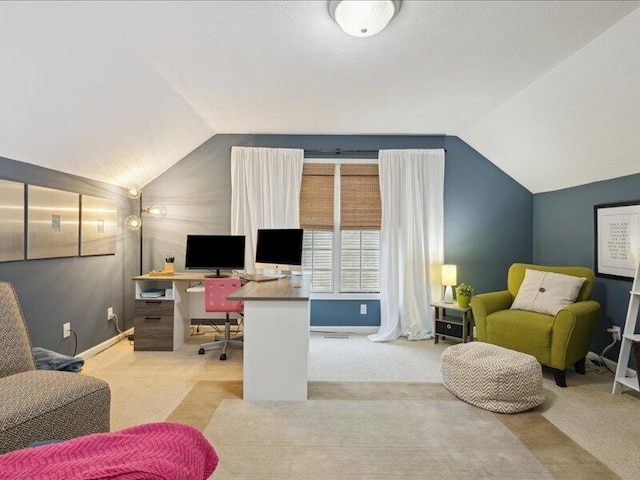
(463,294)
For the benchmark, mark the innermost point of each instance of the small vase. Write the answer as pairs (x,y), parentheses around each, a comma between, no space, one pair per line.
(463,300)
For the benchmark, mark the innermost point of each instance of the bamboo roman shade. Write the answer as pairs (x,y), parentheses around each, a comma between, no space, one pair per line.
(359,197)
(316,196)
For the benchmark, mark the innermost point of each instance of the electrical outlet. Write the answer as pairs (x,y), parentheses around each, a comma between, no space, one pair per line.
(109,313)
(66,330)
(615,332)
(363,309)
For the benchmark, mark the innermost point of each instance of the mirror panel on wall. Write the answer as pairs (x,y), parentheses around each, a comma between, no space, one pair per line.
(99,226)
(53,223)
(11,221)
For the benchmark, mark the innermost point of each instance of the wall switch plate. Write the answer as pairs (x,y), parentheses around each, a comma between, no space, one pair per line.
(109,313)
(363,309)
(66,330)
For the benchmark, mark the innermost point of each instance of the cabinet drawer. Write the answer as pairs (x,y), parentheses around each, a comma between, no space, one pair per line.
(153,332)
(154,307)
(449,329)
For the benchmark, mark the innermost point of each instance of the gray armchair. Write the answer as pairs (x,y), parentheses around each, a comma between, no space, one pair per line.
(39,405)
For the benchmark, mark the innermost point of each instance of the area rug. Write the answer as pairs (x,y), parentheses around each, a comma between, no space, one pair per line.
(371,430)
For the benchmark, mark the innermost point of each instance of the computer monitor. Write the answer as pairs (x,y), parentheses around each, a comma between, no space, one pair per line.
(215,252)
(279,249)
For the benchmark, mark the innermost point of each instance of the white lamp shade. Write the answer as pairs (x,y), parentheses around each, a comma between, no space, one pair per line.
(449,275)
(363,18)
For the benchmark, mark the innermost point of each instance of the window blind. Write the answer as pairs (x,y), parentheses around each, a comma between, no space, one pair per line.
(359,197)
(316,196)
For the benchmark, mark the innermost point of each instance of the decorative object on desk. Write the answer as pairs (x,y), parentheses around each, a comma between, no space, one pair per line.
(169,265)
(463,294)
(449,279)
(159,273)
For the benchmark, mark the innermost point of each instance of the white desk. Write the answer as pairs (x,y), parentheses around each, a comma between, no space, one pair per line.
(276,339)
(167,320)
(276,328)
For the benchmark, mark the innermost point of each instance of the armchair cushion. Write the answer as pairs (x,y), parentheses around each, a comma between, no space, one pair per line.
(527,332)
(547,292)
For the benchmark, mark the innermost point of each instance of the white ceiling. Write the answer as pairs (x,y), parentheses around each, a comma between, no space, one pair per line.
(120,91)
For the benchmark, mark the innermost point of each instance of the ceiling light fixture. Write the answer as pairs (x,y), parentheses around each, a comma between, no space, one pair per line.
(363,18)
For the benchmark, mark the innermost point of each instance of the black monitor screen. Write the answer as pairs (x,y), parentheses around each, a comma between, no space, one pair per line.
(215,252)
(279,248)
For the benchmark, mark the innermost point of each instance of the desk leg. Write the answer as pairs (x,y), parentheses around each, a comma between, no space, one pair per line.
(181,314)
(276,350)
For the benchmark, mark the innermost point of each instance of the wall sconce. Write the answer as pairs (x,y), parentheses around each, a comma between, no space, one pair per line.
(449,279)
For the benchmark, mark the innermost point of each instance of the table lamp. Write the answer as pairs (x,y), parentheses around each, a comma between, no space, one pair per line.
(449,279)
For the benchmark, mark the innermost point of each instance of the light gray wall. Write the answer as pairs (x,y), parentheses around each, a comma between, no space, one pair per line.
(563,226)
(488,216)
(77,289)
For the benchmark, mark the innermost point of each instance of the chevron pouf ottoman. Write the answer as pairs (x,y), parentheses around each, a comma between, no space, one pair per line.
(492,377)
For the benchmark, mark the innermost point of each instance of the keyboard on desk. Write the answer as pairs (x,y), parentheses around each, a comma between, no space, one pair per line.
(259,278)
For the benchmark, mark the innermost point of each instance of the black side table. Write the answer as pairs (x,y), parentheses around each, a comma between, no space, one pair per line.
(451,326)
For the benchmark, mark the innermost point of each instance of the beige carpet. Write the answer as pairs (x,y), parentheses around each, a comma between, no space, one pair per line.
(392,430)
(182,385)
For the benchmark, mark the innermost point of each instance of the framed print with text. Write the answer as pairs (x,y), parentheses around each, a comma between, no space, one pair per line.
(617,239)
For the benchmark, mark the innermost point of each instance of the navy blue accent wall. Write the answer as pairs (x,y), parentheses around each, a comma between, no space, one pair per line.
(76,289)
(336,313)
(488,216)
(563,227)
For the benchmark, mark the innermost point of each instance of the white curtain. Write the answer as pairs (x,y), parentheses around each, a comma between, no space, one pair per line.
(265,192)
(411,241)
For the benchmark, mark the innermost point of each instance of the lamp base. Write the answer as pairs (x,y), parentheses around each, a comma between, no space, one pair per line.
(448,294)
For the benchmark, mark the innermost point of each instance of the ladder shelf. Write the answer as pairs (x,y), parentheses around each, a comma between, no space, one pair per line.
(629,337)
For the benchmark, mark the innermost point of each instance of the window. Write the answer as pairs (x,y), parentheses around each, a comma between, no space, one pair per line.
(340,212)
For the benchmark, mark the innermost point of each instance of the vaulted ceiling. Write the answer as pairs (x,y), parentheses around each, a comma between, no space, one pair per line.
(120,91)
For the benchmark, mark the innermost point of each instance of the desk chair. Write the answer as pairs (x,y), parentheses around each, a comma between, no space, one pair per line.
(216,291)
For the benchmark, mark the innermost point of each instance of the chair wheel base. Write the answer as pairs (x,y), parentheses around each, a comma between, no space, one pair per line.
(223,356)
(201,351)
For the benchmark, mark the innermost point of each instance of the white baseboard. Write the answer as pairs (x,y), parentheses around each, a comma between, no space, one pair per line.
(610,363)
(104,345)
(331,329)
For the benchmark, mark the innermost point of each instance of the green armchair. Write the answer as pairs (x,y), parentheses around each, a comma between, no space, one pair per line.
(556,342)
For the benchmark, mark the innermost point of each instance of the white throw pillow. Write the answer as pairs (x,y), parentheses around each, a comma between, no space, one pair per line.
(547,292)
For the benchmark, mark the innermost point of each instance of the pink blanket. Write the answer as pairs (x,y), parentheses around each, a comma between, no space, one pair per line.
(169,451)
